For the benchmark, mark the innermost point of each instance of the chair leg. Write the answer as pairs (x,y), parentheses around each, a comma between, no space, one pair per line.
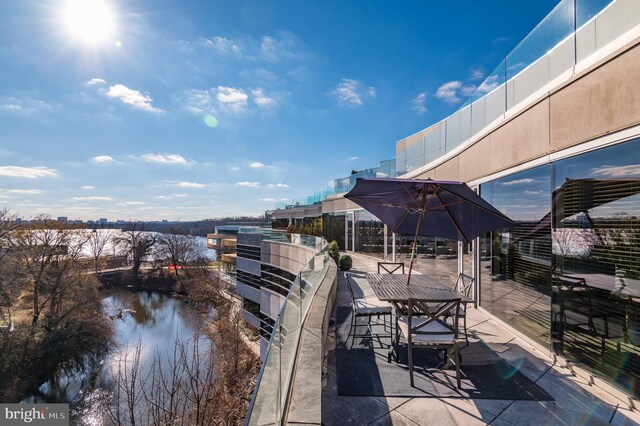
(410,355)
(352,329)
(397,353)
(464,324)
(457,361)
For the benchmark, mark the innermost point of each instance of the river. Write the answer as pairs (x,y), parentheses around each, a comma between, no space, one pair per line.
(150,320)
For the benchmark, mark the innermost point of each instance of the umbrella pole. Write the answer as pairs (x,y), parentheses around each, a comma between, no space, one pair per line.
(414,246)
(415,237)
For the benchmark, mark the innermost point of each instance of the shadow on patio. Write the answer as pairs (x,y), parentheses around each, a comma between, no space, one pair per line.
(505,380)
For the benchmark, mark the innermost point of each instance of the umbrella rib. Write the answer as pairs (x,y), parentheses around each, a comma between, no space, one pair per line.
(415,200)
(401,221)
(451,217)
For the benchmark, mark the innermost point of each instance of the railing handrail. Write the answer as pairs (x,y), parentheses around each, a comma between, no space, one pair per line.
(321,243)
(575,27)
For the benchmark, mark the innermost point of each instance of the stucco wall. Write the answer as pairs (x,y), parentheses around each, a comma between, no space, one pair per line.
(598,101)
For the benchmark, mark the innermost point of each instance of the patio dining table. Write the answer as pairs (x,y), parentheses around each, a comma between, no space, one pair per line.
(393,288)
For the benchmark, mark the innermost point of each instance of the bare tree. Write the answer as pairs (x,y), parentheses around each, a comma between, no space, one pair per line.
(97,243)
(9,283)
(180,249)
(41,246)
(138,245)
(198,382)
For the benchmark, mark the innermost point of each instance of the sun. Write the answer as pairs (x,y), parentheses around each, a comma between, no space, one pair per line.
(90,21)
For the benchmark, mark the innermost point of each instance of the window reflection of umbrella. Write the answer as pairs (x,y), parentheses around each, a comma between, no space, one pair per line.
(433,208)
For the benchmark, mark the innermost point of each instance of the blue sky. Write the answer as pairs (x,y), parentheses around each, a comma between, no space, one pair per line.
(192,109)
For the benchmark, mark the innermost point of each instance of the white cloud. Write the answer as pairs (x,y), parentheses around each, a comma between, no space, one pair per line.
(448,92)
(261,99)
(267,200)
(223,45)
(191,185)
(354,158)
(279,49)
(476,75)
(489,84)
(96,82)
(518,181)
(103,159)
(88,187)
(231,98)
(22,191)
(418,103)
(133,203)
(248,184)
(28,104)
(256,165)
(27,172)
(350,92)
(198,101)
(166,159)
(452,91)
(618,171)
(277,185)
(467,91)
(132,97)
(170,196)
(235,168)
(94,198)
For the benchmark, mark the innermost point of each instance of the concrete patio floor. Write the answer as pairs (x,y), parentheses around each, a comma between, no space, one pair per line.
(575,402)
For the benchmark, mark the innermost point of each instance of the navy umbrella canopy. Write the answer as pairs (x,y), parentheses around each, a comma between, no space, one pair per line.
(434,208)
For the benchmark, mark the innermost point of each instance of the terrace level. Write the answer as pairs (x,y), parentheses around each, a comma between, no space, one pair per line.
(578,398)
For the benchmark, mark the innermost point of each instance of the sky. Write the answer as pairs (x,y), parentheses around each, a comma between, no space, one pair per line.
(195,109)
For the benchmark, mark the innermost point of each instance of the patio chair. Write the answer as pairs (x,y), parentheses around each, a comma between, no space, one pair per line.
(464,285)
(367,307)
(424,327)
(580,309)
(391,267)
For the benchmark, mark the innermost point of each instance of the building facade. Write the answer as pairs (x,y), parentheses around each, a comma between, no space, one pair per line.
(552,139)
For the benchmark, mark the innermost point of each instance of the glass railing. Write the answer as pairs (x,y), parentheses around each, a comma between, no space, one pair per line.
(570,33)
(274,382)
(386,169)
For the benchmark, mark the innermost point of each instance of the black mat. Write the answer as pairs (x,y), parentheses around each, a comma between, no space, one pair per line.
(363,370)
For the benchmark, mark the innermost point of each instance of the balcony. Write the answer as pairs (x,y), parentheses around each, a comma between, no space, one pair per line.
(520,381)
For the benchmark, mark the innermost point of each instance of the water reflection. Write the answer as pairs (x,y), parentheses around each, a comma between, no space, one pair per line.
(149,323)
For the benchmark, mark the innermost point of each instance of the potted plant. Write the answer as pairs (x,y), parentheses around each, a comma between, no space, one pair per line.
(345,262)
(334,251)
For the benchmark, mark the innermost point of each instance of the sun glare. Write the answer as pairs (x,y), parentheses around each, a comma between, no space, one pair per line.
(90,21)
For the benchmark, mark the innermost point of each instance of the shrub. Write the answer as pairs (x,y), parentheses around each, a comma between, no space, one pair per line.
(345,262)
(334,251)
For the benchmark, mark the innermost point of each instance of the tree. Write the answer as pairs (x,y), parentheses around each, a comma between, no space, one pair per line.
(41,247)
(137,244)
(97,242)
(9,284)
(179,249)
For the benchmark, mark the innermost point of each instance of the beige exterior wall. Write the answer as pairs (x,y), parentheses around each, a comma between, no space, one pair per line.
(605,100)
(601,100)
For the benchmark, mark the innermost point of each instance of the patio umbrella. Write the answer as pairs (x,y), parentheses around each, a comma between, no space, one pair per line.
(434,208)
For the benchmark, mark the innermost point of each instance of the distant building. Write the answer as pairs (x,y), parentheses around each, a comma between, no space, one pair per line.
(103,221)
(62,218)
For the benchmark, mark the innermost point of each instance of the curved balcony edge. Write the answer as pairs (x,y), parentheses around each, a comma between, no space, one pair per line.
(304,396)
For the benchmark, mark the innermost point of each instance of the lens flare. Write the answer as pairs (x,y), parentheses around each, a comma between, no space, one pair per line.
(210,121)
